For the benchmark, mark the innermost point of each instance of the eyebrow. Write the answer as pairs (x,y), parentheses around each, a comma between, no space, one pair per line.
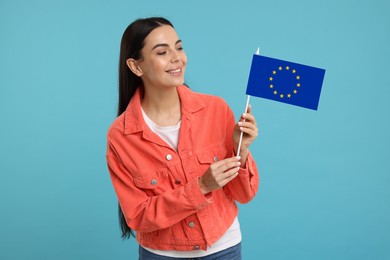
(165,44)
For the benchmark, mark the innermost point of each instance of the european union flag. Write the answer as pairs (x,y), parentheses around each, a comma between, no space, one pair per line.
(285,81)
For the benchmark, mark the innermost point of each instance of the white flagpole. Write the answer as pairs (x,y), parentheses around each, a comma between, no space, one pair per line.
(246,110)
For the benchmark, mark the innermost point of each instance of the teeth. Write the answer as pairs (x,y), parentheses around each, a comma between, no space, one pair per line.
(174,71)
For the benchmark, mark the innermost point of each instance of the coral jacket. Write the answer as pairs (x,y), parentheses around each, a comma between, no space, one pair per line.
(157,186)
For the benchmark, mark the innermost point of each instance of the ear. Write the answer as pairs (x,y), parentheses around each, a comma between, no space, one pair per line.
(133,66)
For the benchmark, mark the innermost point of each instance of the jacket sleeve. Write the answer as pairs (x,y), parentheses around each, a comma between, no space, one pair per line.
(147,213)
(244,187)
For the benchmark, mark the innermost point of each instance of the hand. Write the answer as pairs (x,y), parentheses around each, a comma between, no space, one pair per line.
(219,174)
(250,130)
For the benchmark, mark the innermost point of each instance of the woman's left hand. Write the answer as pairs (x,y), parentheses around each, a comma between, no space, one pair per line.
(246,124)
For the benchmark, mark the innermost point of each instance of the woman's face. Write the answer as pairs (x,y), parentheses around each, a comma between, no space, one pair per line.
(163,60)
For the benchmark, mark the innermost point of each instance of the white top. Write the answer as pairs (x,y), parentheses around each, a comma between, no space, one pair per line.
(170,134)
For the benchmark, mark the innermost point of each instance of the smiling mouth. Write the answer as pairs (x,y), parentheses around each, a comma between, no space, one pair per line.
(175,71)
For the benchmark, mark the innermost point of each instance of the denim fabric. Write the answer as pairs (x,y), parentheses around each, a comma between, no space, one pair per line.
(159,187)
(232,253)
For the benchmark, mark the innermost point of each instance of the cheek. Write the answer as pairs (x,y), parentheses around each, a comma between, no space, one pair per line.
(154,69)
(184,58)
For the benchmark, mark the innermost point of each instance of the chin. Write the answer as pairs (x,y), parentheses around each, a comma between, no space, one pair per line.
(178,83)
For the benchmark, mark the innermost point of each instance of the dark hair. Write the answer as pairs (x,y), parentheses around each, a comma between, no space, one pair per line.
(133,40)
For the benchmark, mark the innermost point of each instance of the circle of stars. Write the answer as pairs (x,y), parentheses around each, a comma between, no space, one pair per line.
(296,87)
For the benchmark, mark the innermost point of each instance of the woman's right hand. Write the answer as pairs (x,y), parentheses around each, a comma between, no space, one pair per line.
(219,174)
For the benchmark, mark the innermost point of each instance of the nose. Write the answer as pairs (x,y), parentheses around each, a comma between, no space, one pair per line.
(175,56)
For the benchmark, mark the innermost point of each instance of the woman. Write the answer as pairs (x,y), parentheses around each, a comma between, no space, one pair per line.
(171,153)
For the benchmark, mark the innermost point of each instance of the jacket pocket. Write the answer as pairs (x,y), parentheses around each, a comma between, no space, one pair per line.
(212,155)
(209,156)
(153,182)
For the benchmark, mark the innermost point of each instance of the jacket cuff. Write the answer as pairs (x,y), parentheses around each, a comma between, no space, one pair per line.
(247,169)
(195,195)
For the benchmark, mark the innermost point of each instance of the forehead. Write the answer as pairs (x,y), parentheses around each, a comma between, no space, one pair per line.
(164,34)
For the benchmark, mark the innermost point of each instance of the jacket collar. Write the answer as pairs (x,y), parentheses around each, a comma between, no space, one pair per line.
(134,122)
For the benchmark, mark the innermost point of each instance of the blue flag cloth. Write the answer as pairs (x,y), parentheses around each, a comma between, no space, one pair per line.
(285,81)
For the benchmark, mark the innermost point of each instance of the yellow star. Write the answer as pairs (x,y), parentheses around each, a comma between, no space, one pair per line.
(281,95)
(275,92)
(298,77)
(287,67)
(295,91)
(270,78)
(289,95)
(293,71)
(280,68)
(274,72)
(298,84)
(271,86)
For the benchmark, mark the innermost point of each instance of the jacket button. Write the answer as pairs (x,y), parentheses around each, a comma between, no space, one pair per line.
(168,157)
(177,181)
(196,247)
(215,158)
(191,224)
(153,182)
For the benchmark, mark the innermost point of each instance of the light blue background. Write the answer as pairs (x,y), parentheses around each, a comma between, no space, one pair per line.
(325,175)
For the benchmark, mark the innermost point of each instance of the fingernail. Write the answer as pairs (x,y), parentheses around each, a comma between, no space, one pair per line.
(239,123)
(238,157)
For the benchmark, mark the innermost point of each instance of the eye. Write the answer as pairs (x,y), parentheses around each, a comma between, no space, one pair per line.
(161,51)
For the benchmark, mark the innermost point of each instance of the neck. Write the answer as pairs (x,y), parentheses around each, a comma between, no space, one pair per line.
(162,106)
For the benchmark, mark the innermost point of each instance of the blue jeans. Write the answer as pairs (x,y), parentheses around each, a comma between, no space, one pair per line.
(231,253)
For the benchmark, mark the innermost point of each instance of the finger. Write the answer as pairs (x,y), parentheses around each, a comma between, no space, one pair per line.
(249,117)
(249,125)
(234,175)
(221,163)
(230,176)
(249,128)
(244,115)
(249,131)
(227,166)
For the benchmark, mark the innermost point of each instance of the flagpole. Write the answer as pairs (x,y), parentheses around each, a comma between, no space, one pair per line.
(246,110)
